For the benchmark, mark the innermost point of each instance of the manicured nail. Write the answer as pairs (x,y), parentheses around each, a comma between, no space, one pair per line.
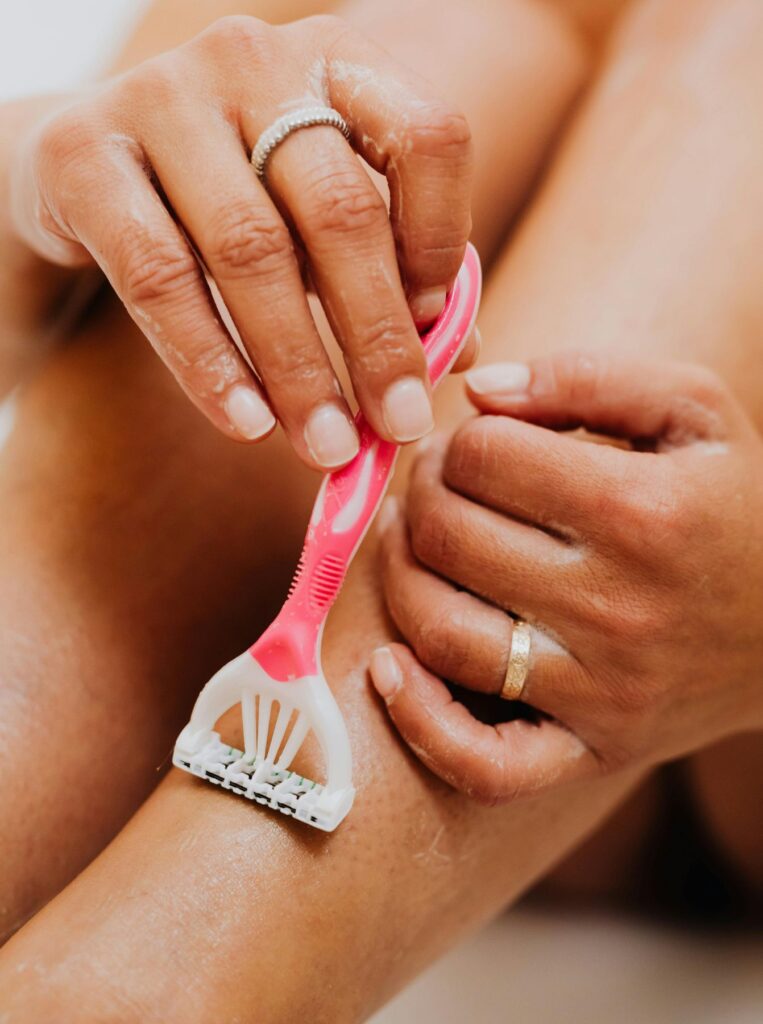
(385,673)
(407,410)
(249,413)
(426,306)
(330,437)
(500,379)
(387,514)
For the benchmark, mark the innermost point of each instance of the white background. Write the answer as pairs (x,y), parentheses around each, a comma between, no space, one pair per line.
(527,968)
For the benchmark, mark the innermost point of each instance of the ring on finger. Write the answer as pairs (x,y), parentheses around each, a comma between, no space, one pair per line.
(519,661)
(283,127)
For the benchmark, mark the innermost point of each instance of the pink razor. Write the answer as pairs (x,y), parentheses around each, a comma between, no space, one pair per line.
(279,682)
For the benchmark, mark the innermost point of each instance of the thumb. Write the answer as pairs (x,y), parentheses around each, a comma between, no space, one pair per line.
(625,396)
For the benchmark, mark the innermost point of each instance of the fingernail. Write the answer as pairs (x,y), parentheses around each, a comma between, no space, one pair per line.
(499,378)
(248,412)
(387,514)
(385,673)
(330,437)
(427,305)
(407,410)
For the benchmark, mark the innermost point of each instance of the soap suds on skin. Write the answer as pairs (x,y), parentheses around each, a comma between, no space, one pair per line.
(388,91)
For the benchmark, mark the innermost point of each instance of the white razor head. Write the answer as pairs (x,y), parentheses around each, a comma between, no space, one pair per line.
(276,718)
(278,788)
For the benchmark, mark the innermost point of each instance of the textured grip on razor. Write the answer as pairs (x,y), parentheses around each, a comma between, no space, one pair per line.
(348,500)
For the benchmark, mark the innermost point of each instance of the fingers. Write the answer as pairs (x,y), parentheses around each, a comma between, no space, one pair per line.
(342,222)
(423,146)
(491,764)
(247,248)
(509,563)
(530,473)
(458,636)
(669,403)
(178,122)
(150,265)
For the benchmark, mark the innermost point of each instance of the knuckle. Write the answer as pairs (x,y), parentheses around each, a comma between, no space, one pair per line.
(67,141)
(378,345)
(653,512)
(439,244)
(632,625)
(704,406)
(642,626)
(153,84)
(577,374)
(707,387)
(472,451)
(239,36)
(325,24)
(629,699)
(246,241)
(436,129)
(340,201)
(432,638)
(205,367)
(293,366)
(155,272)
(435,534)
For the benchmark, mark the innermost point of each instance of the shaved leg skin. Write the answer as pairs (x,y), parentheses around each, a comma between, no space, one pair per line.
(115,602)
(139,552)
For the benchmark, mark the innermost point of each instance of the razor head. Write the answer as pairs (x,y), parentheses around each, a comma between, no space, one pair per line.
(264,783)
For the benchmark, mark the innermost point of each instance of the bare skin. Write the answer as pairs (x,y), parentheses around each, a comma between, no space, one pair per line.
(170,846)
(232,570)
(104,943)
(414,867)
(625,564)
(146,176)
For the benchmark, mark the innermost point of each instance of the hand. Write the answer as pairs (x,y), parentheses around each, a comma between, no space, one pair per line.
(640,572)
(150,177)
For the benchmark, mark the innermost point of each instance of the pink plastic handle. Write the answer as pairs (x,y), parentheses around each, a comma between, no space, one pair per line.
(349,498)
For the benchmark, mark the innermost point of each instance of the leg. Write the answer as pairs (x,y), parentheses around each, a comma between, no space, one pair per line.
(413,867)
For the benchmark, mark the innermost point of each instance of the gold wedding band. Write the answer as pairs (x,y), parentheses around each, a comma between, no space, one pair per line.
(519,661)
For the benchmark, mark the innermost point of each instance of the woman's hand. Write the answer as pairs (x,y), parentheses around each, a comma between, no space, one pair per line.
(149,177)
(640,572)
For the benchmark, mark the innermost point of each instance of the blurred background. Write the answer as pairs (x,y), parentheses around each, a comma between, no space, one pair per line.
(532,966)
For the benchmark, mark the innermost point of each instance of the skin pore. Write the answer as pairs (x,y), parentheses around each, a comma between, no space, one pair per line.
(225,896)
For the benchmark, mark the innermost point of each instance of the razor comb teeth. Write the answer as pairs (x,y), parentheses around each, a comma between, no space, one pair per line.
(326,581)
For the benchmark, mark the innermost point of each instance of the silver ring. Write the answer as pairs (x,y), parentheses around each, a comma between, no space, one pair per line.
(519,661)
(284,126)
